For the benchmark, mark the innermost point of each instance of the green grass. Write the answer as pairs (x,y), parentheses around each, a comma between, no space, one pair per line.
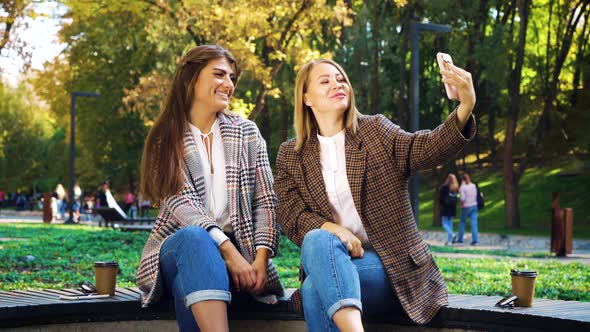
(64,257)
(536,187)
(498,252)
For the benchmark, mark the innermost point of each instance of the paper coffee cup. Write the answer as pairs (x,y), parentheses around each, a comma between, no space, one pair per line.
(523,286)
(105,275)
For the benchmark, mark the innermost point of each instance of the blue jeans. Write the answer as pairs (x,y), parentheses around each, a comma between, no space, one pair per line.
(335,280)
(193,271)
(470,212)
(447,224)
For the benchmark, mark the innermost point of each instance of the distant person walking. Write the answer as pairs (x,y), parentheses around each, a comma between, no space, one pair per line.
(61,200)
(468,194)
(77,202)
(448,205)
(129,201)
(130,205)
(144,206)
(101,198)
(2,198)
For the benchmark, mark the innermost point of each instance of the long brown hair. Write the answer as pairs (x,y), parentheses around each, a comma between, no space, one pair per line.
(162,161)
(304,119)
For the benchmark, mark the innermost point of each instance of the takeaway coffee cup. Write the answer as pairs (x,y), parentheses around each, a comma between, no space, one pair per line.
(105,274)
(523,286)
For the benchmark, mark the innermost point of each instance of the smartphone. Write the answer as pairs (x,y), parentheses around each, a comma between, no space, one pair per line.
(507,301)
(443,59)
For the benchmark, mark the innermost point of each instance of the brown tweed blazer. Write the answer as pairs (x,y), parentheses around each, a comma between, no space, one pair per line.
(251,200)
(379,160)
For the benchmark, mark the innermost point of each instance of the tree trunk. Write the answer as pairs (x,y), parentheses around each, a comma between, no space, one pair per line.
(375,34)
(285,119)
(510,177)
(265,123)
(436,218)
(579,63)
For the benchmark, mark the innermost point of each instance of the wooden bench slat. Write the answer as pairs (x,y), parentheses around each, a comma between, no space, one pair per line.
(128,293)
(26,308)
(134,290)
(38,296)
(20,300)
(126,296)
(41,293)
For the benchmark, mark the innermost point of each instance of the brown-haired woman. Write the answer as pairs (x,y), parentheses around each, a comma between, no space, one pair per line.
(342,188)
(448,205)
(209,171)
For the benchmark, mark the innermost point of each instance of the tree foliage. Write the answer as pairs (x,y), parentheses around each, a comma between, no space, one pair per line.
(128,50)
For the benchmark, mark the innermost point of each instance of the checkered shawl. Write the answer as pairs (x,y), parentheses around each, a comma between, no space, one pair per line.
(379,160)
(251,200)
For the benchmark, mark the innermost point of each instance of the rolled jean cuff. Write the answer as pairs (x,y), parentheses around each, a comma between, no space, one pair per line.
(206,295)
(343,304)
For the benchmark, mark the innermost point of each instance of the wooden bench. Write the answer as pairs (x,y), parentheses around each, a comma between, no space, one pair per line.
(20,310)
(117,221)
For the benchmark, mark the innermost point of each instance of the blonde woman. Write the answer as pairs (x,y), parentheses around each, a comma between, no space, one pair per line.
(448,205)
(343,197)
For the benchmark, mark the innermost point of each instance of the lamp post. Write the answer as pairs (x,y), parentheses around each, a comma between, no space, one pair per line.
(415,29)
(73,147)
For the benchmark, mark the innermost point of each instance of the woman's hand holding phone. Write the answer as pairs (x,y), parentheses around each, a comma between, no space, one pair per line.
(460,86)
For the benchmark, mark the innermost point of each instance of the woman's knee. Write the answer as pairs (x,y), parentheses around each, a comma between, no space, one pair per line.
(316,241)
(192,238)
(193,234)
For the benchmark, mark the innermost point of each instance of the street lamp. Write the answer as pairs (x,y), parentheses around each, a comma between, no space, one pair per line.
(73,147)
(415,29)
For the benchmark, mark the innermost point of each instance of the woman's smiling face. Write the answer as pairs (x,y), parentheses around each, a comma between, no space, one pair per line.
(327,90)
(214,86)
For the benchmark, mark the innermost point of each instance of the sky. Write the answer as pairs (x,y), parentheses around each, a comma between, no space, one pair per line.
(42,40)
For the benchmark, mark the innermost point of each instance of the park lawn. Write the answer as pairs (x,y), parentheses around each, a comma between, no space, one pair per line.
(63,256)
(537,185)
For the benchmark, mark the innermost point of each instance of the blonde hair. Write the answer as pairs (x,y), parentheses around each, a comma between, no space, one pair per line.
(452,182)
(304,120)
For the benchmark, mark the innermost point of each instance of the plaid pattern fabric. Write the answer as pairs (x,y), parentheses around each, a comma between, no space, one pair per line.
(379,160)
(251,200)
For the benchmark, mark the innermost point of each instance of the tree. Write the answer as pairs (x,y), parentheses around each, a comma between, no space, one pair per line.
(28,157)
(511,176)
(555,57)
(101,57)
(11,21)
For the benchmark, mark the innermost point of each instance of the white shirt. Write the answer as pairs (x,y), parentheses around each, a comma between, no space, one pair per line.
(333,162)
(468,194)
(215,184)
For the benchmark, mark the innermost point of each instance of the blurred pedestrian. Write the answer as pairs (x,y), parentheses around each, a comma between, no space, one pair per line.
(2,198)
(468,196)
(21,201)
(144,206)
(448,205)
(101,198)
(77,202)
(129,201)
(61,200)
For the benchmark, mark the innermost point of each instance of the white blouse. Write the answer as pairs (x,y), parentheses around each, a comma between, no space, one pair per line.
(333,162)
(215,178)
